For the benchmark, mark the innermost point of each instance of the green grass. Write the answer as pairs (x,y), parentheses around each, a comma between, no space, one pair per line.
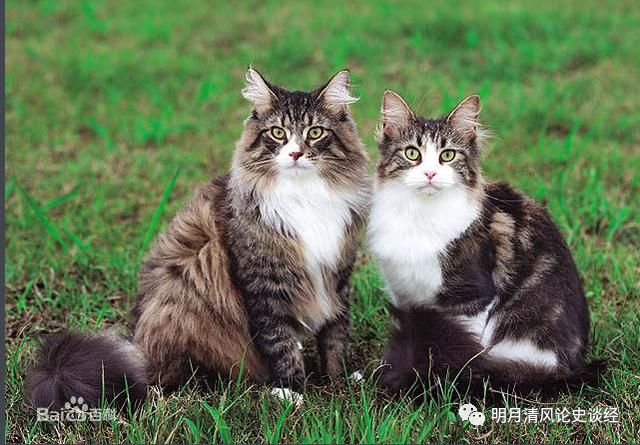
(106,101)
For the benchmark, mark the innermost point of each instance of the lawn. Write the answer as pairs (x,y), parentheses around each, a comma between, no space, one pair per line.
(108,101)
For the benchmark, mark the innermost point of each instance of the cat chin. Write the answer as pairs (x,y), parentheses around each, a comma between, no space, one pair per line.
(428,189)
(296,171)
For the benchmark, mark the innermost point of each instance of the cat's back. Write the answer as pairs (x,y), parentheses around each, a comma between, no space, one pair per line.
(200,223)
(530,250)
(514,213)
(192,253)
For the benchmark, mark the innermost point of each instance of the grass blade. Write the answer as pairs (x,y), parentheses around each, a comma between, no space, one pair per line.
(77,241)
(193,429)
(8,188)
(156,217)
(20,305)
(42,217)
(221,425)
(57,201)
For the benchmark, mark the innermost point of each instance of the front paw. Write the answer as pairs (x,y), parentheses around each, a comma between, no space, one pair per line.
(287,395)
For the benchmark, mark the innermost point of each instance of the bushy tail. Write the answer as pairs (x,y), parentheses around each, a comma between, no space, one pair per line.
(524,379)
(427,347)
(501,376)
(96,367)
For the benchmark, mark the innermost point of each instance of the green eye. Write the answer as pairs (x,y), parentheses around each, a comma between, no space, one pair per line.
(447,155)
(278,133)
(315,132)
(412,153)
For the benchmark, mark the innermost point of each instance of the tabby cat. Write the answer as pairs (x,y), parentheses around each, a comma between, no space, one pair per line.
(258,257)
(481,281)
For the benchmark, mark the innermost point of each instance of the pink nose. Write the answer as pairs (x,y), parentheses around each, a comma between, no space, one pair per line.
(430,175)
(295,155)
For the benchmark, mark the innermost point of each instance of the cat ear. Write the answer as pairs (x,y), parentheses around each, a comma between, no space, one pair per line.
(396,114)
(335,94)
(464,117)
(258,91)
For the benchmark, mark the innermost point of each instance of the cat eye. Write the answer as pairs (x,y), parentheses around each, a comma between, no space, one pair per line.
(412,153)
(447,155)
(315,132)
(278,133)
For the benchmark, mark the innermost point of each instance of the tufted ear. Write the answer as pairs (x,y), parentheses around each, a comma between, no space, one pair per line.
(258,91)
(335,94)
(395,114)
(464,117)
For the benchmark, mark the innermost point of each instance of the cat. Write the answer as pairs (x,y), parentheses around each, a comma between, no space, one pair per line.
(481,282)
(255,259)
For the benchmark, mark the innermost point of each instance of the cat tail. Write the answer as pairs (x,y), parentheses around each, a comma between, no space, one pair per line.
(524,379)
(426,349)
(96,367)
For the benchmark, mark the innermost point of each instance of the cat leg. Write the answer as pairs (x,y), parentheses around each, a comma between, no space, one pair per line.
(333,345)
(333,339)
(275,339)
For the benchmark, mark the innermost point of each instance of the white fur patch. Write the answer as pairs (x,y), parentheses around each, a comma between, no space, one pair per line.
(480,325)
(408,231)
(524,351)
(288,395)
(305,206)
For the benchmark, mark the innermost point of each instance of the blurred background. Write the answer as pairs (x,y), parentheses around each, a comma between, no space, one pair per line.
(116,110)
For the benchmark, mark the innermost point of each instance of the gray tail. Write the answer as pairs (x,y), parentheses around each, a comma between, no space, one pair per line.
(523,379)
(97,367)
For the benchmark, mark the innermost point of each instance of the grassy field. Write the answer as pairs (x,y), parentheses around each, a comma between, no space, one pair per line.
(106,101)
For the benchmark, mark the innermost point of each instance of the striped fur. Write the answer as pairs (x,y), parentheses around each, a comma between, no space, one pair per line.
(255,259)
(480,277)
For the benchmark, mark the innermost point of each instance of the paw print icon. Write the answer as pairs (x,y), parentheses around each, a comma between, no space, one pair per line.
(76,404)
(468,411)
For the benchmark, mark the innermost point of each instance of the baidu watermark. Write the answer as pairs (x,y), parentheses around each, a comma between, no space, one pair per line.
(75,410)
(598,414)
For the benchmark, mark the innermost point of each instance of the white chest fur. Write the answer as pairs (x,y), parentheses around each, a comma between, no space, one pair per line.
(407,233)
(318,216)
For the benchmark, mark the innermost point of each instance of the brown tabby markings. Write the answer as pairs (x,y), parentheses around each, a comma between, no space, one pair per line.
(502,229)
(256,258)
(219,256)
(189,299)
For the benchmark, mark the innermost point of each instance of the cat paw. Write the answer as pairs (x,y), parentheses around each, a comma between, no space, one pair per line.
(356,376)
(288,395)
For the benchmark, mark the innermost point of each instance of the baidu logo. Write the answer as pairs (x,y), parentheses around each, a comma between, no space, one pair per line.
(76,410)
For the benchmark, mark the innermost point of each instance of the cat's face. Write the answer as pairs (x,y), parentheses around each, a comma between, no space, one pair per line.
(299,134)
(429,156)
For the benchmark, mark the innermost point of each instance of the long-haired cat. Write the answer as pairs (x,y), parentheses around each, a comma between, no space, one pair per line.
(481,281)
(256,258)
